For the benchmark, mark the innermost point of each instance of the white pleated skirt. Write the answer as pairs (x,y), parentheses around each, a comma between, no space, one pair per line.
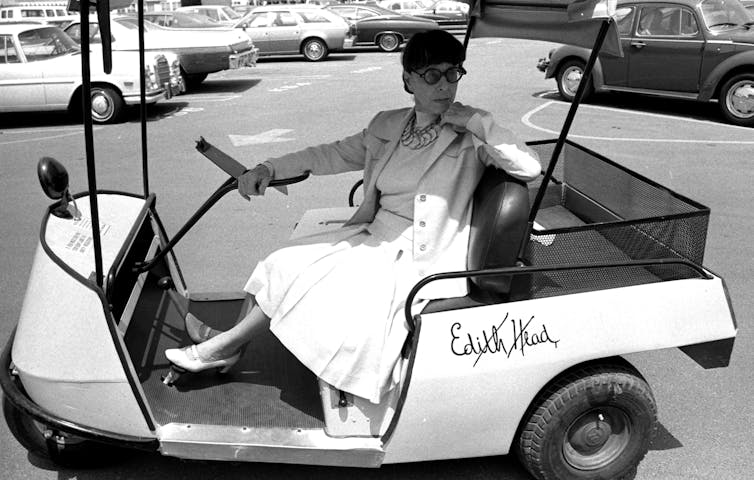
(336,301)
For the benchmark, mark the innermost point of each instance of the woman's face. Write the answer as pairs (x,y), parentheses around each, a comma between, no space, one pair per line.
(433,99)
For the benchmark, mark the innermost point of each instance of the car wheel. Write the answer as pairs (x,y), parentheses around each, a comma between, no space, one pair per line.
(72,452)
(192,80)
(389,42)
(594,422)
(737,99)
(107,105)
(568,78)
(314,49)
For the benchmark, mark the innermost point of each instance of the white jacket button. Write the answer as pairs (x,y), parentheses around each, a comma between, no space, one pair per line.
(422,247)
(422,223)
(422,198)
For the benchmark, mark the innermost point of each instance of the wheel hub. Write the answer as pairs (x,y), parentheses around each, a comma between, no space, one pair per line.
(572,78)
(100,104)
(596,438)
(741,99)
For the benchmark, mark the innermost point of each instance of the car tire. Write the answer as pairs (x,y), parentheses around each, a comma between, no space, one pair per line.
(192,80)
(591,423)
(737,99)
(314,49)
(389,42)
(107,104)
(73,453)
(568,78)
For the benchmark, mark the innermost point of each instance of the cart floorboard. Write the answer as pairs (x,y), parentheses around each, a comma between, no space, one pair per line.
(268,387)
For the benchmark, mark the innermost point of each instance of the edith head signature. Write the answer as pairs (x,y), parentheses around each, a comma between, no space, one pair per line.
(495,340)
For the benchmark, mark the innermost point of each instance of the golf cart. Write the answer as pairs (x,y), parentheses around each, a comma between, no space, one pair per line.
(592,262)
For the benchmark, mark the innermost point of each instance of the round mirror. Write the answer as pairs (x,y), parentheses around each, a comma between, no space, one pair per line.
(53,177)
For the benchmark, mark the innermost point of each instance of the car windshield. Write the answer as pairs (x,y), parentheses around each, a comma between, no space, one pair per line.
(723,14)
(45,43)
(232,14)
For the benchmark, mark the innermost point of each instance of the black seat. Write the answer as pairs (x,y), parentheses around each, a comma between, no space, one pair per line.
(498,226)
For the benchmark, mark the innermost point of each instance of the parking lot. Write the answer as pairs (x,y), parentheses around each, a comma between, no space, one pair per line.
(287,103)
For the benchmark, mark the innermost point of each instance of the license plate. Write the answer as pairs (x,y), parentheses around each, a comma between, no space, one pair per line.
(239,60)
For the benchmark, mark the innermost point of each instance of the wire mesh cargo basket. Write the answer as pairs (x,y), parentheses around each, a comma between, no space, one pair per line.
(597,212)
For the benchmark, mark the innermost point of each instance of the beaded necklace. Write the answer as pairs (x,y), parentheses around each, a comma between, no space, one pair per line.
(416,138)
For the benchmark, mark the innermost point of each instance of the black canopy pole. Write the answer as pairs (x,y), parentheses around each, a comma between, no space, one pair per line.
(585,79)
(86,106)
(143,103)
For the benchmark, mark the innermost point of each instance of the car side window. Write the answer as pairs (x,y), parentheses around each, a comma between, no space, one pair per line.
(313,17)
(74,31)
(625,19)
(660,21)
(258,20)
(284,19)
(364,13)
(8,50)
(689,27)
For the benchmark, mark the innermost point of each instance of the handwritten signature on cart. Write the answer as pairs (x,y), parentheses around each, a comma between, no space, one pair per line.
(520,337)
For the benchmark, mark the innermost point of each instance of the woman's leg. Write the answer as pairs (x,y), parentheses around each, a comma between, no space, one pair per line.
(226,344)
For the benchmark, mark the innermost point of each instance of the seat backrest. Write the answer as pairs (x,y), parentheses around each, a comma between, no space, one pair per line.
(498,225)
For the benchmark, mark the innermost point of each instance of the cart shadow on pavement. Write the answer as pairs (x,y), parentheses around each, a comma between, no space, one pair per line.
(664,440)
(152,466)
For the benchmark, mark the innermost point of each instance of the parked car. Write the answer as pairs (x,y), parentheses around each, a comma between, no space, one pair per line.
(296,29)
(219,13)
(200,51)
(374,25)
(41,71)
(447,14)
(176,19)
(701,51)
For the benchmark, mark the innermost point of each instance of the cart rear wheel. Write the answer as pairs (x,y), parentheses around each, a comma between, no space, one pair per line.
(568,77)
(68,452)
(593,423)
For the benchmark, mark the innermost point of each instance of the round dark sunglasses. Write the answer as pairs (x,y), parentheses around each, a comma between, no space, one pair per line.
(433,75)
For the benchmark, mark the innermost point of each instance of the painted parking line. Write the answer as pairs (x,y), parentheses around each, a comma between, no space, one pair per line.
(528,120)
(202,98)
(66,132)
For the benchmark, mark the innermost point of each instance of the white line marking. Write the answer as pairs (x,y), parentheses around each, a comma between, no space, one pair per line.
(366,70)
(526,120)
(206,98)
(51,137)
(270,136)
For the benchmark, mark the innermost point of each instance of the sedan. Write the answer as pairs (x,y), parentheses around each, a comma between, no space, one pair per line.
(296,29)
(450,15)
(373,25)
(701,51)
(201,51)
(175,19)
(42,72)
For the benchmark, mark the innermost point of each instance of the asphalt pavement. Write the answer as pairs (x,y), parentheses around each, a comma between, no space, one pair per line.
(286,104)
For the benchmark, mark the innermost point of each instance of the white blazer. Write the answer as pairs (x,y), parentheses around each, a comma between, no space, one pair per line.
(443,200)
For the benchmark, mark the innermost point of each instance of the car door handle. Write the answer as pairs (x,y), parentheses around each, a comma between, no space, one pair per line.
(638,44)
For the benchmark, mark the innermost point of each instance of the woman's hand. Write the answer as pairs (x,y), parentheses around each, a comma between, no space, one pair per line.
(254,182)
(458,116)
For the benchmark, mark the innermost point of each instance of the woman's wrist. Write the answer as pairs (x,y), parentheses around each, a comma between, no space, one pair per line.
(269,168)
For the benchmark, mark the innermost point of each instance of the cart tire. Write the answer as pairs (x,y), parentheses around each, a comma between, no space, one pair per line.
(737,100)
(389,42)
(568,78)
(314,50)
(107,104)
(74,453)
(595,422)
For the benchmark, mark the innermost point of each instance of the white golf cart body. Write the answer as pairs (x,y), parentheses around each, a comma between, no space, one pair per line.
(613,266)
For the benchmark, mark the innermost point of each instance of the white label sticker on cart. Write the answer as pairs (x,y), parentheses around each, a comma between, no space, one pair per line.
(81,238)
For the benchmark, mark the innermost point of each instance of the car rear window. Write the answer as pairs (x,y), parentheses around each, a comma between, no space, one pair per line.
(313,17)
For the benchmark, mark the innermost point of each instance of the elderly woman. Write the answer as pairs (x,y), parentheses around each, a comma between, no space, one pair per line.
(334,299)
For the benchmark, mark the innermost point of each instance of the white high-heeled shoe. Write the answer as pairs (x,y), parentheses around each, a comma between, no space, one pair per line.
(188,359)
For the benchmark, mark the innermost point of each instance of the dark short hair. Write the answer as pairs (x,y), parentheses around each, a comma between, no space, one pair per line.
(430,48)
